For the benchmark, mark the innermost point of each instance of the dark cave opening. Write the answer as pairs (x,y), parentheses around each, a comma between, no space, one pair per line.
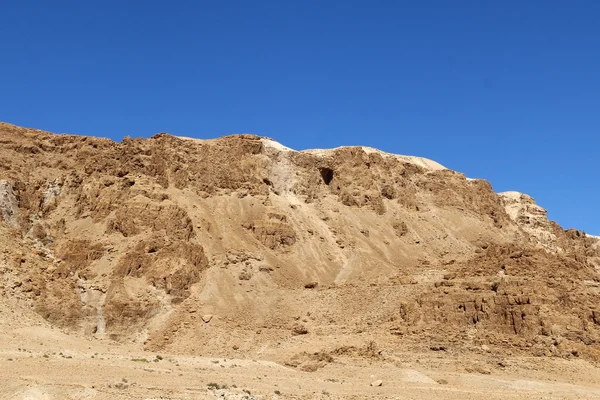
(327,175)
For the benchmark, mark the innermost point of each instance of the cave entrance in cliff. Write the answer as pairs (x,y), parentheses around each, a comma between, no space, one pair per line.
(327,175)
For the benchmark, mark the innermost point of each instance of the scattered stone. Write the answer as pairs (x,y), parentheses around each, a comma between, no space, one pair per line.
(438,348)
(299,330)
(377,383)
(207,318)
(245,276)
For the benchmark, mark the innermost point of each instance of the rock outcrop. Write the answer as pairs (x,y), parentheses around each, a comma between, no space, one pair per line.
(142,240)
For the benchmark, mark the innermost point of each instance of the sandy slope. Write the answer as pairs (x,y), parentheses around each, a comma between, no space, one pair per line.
(40,362)
(309,273)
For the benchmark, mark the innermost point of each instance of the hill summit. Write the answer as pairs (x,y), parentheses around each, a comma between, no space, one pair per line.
(239,246)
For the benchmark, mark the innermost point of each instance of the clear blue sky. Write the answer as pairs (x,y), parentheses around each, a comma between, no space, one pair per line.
(504,90)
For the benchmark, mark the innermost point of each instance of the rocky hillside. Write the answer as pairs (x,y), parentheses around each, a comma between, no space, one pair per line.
(241,246)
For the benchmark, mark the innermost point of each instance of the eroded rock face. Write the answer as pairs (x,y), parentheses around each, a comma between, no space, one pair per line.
(9,205)
(141,240)
(532,218)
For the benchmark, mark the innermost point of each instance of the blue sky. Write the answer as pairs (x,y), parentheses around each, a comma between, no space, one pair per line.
(504,90)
